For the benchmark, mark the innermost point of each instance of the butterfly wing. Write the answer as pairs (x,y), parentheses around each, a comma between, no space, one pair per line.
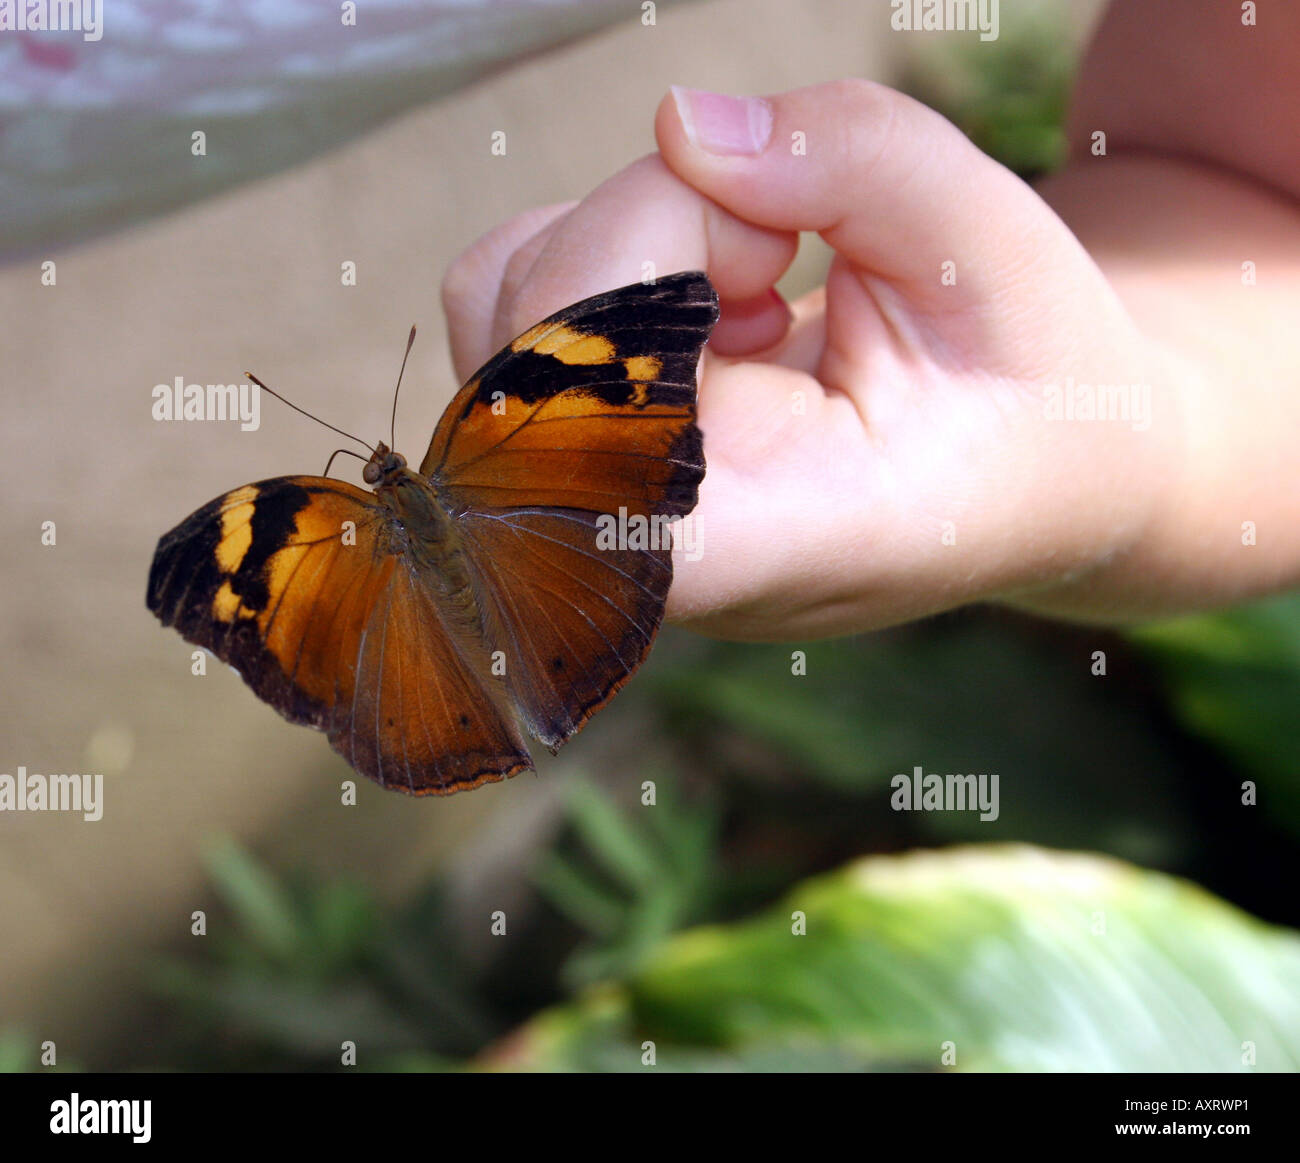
(304,586)
(586,418)
(575,620)
(590,409)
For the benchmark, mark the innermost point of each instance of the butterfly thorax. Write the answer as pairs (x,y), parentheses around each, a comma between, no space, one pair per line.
(422,529)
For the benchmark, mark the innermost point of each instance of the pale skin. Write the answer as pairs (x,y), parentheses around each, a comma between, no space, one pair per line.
(881,449)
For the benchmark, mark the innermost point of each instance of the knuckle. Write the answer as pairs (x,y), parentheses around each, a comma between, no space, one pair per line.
(459,278)
(858,95)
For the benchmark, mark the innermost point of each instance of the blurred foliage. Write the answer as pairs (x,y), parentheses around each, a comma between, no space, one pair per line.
(977,959)
(967,693)
(772,768)
(1007,95)
(294,970)
(20,1053)
(634,883)
(1234,680)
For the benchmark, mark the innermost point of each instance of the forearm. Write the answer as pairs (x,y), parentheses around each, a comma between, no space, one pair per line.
(1171,224)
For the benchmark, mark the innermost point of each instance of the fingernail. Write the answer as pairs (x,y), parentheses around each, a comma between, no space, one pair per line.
(716,123)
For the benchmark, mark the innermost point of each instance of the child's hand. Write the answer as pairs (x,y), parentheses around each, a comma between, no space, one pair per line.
(889,451)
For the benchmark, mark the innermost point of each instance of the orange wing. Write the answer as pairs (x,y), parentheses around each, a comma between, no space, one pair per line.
(592,409)
(304,585)
(576,620)
(587,417)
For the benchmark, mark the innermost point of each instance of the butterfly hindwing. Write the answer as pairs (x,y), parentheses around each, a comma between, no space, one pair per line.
(577,620)
(304,585)
(424,715)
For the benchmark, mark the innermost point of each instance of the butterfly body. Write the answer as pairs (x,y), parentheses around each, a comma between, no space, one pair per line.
(422,528)
(428,625)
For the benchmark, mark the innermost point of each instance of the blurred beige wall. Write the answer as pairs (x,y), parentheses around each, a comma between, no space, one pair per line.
(251,280)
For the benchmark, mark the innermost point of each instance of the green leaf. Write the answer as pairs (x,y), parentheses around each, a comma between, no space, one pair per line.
(609,835)
(17,1052)
(580,895)
(301,1019)
(648,870)
(1017,958)
(259,902)
(1234,678)
(340,924)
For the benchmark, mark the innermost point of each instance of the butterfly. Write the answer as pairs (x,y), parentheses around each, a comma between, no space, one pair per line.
(428,625)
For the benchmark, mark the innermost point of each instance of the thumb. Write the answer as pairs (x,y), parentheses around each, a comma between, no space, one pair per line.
(897,190)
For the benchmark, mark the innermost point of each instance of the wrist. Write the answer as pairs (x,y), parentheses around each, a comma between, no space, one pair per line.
(1126,523)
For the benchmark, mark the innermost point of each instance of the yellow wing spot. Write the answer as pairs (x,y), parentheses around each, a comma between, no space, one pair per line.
(640,394)
(529,337)
(643,367)
(226,603)
(585,351)
(236,536)
(240,496)
(555,337)
(566,344)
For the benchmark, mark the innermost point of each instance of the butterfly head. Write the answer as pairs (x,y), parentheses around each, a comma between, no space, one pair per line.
(383,466)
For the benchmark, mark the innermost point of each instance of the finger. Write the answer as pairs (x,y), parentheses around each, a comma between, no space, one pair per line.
(472,285)
(646,221)
(895,188)
(516,274)
(745,326)
(748,326)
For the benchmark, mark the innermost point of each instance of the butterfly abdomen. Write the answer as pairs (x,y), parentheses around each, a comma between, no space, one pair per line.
(430,534)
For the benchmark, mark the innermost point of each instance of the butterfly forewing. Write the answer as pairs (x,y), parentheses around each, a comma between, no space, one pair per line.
(594,408)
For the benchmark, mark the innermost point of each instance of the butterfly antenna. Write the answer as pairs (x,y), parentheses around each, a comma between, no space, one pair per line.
(410,341)
(250,376)
(337,452)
